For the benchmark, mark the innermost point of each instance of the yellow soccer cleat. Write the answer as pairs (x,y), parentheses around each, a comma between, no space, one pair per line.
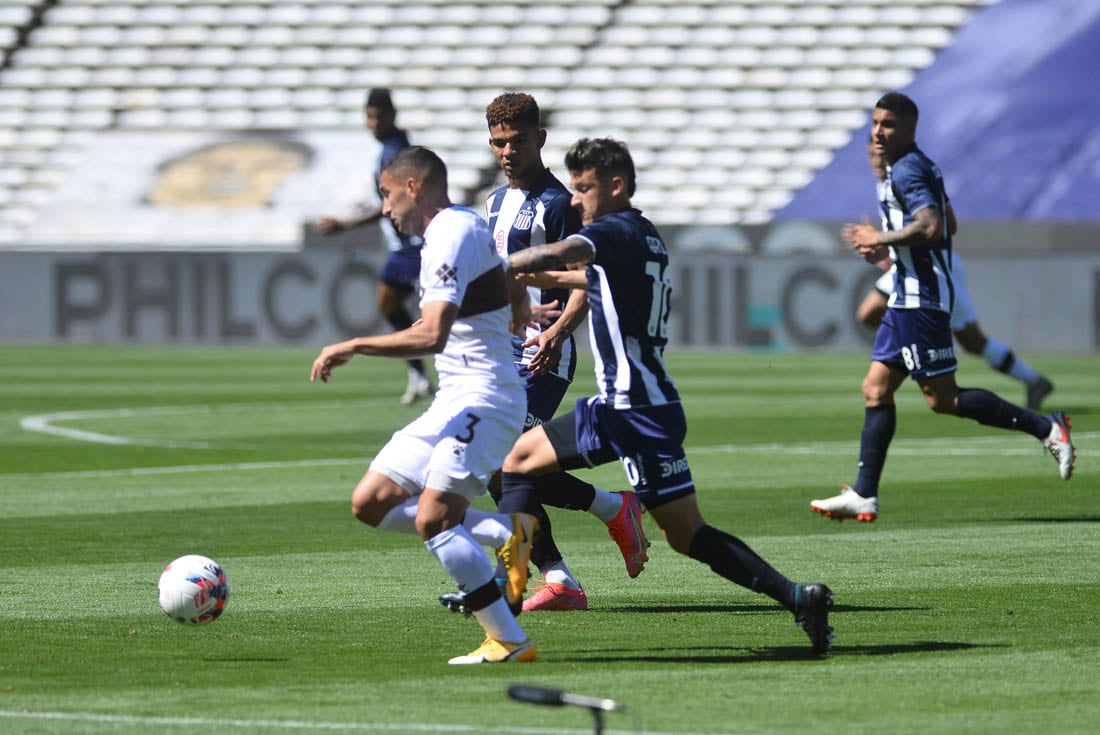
(493,651)
(515,554)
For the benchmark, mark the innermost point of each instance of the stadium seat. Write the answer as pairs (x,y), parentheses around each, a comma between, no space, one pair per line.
(756,78)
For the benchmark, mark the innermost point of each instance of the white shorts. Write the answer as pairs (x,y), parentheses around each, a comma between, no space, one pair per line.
(458,443)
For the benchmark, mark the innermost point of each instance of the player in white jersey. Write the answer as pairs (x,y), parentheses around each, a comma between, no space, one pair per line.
(424,479)
(964,317)
(914,339)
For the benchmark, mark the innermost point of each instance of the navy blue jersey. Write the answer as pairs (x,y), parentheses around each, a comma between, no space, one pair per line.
(395,241)
(520,218)
(628,298)
(923,278)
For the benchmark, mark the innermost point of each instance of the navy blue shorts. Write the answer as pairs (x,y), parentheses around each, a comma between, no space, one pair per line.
(544,395)
(402,270)
(918,341)
(648,440)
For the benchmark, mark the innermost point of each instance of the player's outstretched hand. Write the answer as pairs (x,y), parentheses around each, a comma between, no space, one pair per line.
(864,240)
(331,357)
(545,313)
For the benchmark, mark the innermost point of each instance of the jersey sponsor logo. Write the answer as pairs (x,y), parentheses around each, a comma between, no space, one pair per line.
(524,220)
(499,242)
(943,353)
(531,421)
(674,467)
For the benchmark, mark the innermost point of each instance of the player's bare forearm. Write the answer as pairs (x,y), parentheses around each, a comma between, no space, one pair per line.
(926,227)
(555,279)
(575,311)
(551,256)
(425,337)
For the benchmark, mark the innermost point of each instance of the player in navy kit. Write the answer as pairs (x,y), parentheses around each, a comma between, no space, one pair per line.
(532,208)
(914,338)
(401,271)
(964,317)
(637,415)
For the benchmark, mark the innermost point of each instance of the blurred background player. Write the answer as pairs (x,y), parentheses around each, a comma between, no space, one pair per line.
(532,209)
(964,317)
(401,271)
(425,477)
(637,415)
(914,338)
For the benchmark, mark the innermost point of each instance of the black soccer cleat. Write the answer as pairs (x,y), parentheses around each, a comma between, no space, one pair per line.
(455,602)
(812,603)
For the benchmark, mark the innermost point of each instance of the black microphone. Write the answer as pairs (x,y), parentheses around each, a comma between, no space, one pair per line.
(557,698)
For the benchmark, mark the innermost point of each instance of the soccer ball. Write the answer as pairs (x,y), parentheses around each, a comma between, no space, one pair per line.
(193,590)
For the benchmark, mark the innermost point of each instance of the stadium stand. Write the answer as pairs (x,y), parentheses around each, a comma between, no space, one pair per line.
(1021,118)
(730,106)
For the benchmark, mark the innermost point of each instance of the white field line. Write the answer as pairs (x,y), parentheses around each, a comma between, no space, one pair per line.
(906,447)
(44,423)
(301,725)
(939,447)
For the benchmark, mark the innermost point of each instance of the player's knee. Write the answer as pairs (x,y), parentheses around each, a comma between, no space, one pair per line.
(874,391)
(940,403)
(371,501)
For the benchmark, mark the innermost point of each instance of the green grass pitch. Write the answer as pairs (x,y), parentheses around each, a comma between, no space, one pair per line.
(971,606)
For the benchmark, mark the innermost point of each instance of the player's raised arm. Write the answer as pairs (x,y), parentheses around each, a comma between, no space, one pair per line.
(552,255)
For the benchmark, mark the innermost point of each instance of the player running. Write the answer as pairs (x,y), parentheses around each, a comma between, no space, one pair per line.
(914,338)
(424,479)
(637,417)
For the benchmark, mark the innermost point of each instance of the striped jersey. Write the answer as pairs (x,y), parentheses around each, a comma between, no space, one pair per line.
(520,218)
(628,298)
(923,278)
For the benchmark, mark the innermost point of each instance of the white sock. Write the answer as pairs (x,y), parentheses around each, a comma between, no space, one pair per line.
(401,518)
(488,529)
(469,567)
(605,505)
(559,573)
(499,622)
(995,353)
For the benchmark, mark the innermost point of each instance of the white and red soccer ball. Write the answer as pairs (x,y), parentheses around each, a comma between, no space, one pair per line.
(193,590)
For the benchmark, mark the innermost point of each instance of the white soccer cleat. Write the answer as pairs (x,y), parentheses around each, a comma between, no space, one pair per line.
(1059,444)
(493,651)
(419,387)
(849,504)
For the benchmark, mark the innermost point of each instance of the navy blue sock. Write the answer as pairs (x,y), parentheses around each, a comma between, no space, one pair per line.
(562,490)
(879,423)
(729,557)
(517,495)
(990,409)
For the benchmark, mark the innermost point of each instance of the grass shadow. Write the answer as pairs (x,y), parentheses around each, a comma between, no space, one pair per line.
(753,609)
(736,655)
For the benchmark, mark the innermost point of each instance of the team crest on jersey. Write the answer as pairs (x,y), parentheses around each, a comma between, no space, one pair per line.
(524,220)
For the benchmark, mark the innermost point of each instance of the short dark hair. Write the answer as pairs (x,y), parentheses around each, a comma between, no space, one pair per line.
(513,108)
(605,156)
(419,162)
(379,98)
(899,104)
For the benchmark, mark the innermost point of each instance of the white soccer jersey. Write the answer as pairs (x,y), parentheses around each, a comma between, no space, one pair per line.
(458,248)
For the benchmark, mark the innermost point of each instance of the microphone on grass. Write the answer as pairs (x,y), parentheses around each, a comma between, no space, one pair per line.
(558,698)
